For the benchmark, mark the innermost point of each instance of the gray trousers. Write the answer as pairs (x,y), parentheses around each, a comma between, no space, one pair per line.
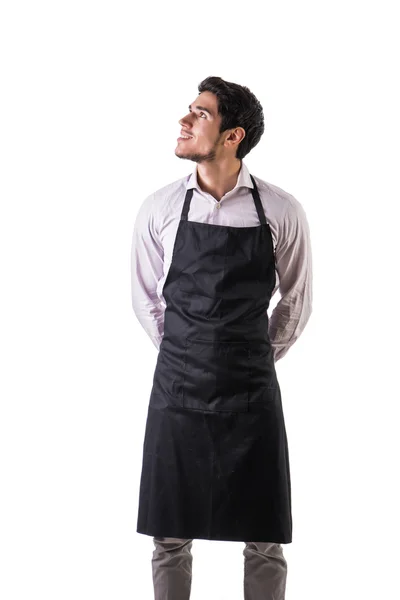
(265,570)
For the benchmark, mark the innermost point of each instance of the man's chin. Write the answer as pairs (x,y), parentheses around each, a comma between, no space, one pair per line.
(184,156)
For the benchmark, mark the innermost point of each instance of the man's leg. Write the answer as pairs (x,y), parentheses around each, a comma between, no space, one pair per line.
(265,571)
(172,568)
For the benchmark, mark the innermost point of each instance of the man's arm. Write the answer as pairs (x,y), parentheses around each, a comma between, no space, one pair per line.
(294,266)
(146,270)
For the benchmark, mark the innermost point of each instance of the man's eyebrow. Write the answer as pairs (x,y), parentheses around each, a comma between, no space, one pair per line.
(201,108)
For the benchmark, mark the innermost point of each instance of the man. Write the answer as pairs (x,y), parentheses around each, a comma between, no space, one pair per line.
(209,250)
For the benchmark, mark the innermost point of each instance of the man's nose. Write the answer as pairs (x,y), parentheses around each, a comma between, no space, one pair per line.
(185,119)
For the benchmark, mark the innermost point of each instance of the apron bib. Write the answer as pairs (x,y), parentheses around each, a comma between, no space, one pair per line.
(215,454)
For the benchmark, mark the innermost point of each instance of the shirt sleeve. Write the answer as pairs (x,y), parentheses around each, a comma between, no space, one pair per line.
(146,270)
(294,266)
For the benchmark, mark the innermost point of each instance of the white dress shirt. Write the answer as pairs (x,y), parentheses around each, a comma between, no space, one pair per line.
(154,236)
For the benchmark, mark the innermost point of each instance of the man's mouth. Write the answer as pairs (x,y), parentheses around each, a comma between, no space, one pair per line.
(184,138)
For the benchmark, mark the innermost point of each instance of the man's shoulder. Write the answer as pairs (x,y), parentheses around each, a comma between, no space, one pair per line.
(170,190)
(278,200)
(273,192)
(161,200)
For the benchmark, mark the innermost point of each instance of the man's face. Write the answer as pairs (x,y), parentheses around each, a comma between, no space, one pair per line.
(202,124)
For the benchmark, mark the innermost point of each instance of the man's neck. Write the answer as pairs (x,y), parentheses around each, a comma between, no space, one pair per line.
(218,179)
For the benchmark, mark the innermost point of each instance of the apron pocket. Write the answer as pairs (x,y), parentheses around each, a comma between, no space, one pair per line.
(216,376)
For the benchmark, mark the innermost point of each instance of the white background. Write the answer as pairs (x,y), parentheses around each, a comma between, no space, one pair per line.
(90,101)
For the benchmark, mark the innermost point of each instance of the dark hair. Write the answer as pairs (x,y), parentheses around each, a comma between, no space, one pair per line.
(238,107)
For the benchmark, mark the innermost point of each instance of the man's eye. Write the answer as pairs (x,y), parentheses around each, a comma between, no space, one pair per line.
(201,113)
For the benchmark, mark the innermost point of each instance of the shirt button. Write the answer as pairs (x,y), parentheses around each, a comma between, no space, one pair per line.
(218,205)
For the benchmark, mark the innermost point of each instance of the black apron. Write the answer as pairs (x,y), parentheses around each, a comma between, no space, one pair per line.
(215,454)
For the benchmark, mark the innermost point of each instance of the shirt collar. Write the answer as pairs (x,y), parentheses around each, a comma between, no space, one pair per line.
(243,179)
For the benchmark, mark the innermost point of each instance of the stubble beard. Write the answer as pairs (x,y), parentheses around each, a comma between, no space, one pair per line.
(199,158)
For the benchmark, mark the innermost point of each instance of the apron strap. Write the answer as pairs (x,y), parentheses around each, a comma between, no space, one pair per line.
(257,202)
(186,204)
(256,198)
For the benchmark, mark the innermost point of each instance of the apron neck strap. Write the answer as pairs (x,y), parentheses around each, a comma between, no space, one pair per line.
(256,198)
(257,202)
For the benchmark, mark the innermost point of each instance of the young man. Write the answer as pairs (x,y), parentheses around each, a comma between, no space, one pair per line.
(209,250)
